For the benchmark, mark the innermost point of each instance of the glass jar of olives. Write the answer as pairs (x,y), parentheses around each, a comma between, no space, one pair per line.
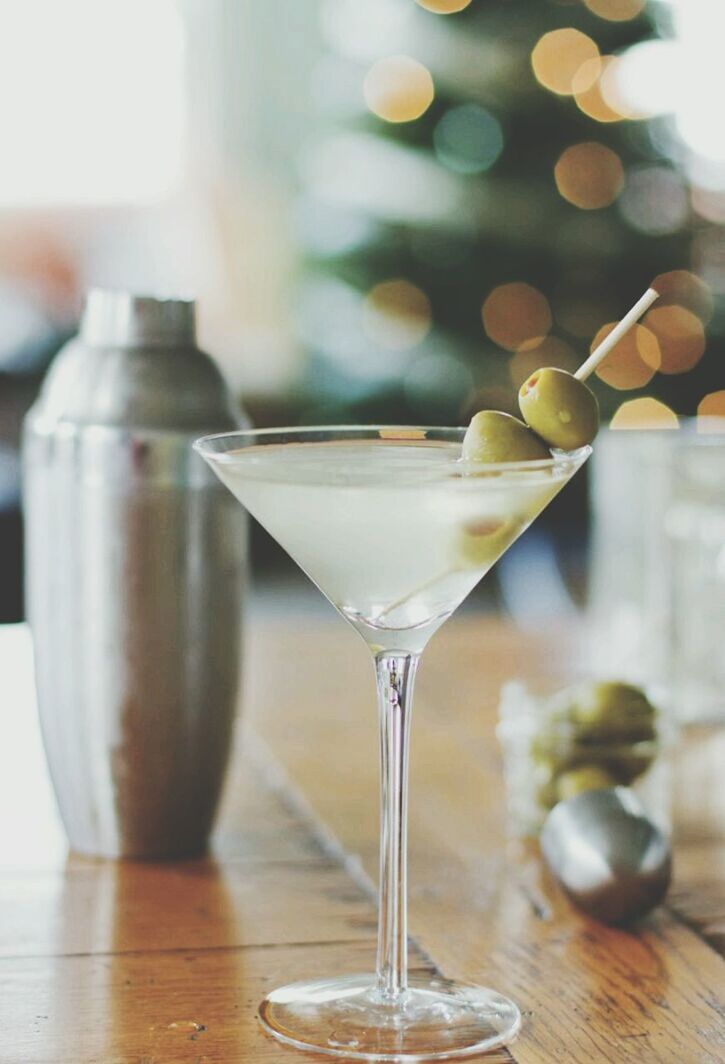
(592,735)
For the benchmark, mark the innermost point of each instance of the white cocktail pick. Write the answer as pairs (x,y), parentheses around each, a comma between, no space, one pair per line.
(630,318)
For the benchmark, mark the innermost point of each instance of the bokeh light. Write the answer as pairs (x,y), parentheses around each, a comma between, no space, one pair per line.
(402,434)
(646,78)
(616,92)
(687,290)
(396,314)
(713,405)
(560,55)
(398,89)
(468,139)
(516,316)
(550,352)
(616,10)
(444,7)
(645,413)
(709,204)
(680,335)
(587,88)
(655,200)
(632,362)
(589,175)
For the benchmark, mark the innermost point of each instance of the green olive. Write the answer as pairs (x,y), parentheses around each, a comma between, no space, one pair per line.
(494,436)
(560,408)
(612,712)
(482,543)
(583,778)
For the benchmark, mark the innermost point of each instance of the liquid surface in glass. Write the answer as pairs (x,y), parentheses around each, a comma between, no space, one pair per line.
(395,534)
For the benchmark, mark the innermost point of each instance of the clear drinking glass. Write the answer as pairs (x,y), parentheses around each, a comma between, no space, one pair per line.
(395,529)
(657,590)
(694,524)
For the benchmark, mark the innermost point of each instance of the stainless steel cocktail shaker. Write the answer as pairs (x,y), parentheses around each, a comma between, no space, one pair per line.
(134,564)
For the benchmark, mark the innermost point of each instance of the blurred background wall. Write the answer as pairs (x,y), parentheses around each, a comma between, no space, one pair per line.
(389,210)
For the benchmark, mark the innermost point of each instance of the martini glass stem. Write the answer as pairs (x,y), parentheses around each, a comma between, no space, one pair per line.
(395,676)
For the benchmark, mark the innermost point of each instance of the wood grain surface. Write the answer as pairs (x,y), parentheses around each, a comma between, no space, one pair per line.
(142,963)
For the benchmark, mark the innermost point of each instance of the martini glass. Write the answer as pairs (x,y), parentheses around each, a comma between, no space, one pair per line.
(395,529)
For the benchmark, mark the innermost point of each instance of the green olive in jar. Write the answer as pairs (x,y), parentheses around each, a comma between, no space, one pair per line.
(609,711)
(559,408)
(493,436)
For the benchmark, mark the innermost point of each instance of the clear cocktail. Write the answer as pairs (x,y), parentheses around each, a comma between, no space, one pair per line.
(395,528)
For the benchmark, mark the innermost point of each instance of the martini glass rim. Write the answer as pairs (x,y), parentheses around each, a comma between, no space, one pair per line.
(205,445)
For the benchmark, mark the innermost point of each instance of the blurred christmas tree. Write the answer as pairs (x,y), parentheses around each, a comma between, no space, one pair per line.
(482,200)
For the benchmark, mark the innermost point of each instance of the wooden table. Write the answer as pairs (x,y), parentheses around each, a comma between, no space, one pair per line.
(159,963)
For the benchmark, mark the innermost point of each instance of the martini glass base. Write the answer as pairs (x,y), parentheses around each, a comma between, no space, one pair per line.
(435,1019)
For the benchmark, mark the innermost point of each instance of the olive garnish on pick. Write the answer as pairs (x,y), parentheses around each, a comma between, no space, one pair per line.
(558,405)
(559,409)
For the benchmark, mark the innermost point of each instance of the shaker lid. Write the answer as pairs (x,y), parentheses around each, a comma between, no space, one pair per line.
(123,319)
